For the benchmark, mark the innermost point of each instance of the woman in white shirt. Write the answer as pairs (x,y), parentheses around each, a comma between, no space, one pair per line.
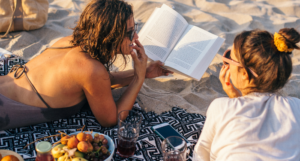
(254,123)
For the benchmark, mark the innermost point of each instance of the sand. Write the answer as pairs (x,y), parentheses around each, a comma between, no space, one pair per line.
(224,18)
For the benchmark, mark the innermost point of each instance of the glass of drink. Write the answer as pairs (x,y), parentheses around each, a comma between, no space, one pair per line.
(174,149)
(129,123)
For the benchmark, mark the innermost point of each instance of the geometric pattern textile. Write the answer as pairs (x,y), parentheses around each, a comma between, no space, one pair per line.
(148,145)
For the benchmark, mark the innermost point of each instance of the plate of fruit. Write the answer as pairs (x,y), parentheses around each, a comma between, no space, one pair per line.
(84,146)
(8,155)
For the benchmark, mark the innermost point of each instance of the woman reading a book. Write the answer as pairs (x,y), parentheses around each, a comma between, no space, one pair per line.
(255,122)
(75,70)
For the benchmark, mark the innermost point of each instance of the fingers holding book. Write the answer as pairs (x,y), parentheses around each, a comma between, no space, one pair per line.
(156,69)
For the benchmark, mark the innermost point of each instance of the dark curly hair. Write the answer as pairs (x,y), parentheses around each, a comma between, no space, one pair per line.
(256,50)
(101,29)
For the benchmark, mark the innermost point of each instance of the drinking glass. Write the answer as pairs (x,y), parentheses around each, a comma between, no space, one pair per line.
(128,132)
(174,149)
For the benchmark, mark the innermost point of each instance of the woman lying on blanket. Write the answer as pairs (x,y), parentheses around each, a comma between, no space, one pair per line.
(75,70)
(255,122)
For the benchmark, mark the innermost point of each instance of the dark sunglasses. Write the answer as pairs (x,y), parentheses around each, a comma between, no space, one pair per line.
(227,60)
(130,34)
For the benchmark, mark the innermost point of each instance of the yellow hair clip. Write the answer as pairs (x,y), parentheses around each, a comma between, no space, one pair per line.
(279,42)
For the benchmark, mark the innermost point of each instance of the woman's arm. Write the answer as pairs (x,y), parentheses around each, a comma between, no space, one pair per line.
(121,79)
(97,89)
(202,150)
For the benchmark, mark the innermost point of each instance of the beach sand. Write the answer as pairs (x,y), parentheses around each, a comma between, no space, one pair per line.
(224,18)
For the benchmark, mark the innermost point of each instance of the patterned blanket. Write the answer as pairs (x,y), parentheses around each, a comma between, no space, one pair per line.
(148,146)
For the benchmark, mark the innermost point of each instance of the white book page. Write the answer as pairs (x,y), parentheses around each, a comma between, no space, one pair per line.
(161,32)
(150,20)
(190,50)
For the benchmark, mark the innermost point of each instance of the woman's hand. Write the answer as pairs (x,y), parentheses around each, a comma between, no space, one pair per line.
(140,60)
(156,69)
(230,90)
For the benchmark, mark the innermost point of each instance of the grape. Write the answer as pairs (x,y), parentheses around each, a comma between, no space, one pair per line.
(96,135)
(101,137)
(95,159)
(104,141)
(95,144)
(100,153)
(96,140)
(107,155)
(106,146)
(103,157)
(87,157)
(92,155)
(103,149)
(96,148)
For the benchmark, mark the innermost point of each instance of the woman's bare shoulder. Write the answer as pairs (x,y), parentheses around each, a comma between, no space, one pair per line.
(87,68)
(64,41)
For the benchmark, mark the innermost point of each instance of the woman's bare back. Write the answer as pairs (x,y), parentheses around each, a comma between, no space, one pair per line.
(57,74)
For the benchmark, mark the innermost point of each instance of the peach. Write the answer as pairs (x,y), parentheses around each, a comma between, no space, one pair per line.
(81,136)
(82,146)
(90,148)
(9,158)
(64,140)
(72,142)
(89,137)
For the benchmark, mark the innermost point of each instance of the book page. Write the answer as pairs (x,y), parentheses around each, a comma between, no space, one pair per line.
(191,49)
(161,32)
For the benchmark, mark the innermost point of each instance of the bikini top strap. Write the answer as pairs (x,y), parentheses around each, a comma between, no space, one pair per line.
(17,75)
(65,47)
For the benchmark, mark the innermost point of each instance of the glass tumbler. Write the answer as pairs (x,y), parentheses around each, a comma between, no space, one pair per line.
(174,149)
(129,123)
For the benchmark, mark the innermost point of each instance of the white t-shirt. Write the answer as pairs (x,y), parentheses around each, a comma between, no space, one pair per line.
(255,127)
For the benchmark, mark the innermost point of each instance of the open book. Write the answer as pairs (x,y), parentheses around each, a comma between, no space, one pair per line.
(183,48)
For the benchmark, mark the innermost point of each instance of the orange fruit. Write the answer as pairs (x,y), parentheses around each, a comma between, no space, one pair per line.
(81,136)
(72,143)
(89,137)
(64,140)
(83,146)
(90,147)
(9,158)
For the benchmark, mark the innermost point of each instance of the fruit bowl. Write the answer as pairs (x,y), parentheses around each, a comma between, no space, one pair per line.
(111,145)
(78,146)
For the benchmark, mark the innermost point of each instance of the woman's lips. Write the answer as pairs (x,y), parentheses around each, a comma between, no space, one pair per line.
(131,47)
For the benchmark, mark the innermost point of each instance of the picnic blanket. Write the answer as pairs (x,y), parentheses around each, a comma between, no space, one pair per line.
(148,145)
(225,18)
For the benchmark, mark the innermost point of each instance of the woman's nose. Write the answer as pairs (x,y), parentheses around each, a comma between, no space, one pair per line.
(136,36)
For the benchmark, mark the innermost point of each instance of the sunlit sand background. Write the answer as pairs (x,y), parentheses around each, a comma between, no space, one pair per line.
(224,18)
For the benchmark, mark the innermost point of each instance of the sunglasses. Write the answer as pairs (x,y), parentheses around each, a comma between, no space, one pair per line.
(227,60)
(130,34)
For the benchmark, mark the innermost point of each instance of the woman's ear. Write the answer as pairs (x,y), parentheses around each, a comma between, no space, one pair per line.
(245,75)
